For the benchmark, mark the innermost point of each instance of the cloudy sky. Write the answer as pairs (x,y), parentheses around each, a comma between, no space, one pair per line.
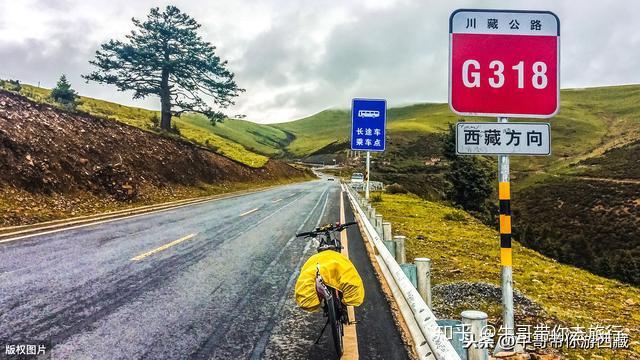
(296,57)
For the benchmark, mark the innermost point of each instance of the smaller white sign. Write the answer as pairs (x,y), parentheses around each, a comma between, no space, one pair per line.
(504,22)
(488,138)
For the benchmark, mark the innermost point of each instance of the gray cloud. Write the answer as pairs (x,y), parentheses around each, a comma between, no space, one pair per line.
(296,58)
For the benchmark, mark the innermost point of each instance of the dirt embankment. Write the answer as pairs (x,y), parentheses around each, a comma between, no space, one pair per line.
(46,152)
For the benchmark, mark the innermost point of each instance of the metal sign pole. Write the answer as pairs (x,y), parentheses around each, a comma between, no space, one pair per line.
(366,193)
(504,195)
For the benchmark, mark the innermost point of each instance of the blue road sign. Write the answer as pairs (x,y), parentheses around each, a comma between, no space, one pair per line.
(368,124)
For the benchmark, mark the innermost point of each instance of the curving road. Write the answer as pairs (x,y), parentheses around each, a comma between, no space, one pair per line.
(207,281)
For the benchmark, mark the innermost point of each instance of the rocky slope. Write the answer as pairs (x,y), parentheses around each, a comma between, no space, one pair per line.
(50,153)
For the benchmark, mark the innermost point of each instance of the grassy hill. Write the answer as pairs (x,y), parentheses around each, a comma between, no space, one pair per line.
(261,139)
(591,121)
(316,132)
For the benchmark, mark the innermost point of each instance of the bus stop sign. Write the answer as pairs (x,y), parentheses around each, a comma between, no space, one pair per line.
(368,124)
(504,63)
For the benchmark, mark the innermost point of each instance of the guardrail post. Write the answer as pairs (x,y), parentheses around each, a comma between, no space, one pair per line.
(474,322)
(453,331)
(372,214)
(401,257)
(410,271)
(386,231)
(390,245)
(423,268)
(378,225)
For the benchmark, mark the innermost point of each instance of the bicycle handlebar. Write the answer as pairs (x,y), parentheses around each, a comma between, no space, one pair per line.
(326,228)
(308,233)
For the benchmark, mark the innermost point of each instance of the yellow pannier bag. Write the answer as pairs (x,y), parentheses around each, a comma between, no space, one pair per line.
(336,271)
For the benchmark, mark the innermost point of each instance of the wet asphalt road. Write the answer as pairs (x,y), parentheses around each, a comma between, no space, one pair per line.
(224,293)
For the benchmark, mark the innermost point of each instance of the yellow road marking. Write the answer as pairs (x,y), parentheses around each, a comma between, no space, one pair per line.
(249,212)
(163,247)
(350,333)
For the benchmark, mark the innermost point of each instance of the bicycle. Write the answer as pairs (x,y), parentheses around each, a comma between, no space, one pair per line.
(331,299)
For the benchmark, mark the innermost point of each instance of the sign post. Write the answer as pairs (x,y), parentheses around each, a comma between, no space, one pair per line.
(366,193)
(504,63)
(368,129)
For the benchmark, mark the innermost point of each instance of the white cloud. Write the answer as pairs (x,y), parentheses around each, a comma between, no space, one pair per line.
(296,58)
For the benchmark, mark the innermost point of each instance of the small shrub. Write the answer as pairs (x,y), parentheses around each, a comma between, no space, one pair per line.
(395,189)
(155,121)
(175,129)
(13,85)
(64,95)
(455,216)
(376,198)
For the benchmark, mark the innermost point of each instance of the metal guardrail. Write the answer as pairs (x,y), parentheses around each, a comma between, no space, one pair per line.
(436,341)
(373,186)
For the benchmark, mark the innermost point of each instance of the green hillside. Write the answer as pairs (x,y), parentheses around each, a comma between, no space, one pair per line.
(591,121)
(262,139)
(315,132)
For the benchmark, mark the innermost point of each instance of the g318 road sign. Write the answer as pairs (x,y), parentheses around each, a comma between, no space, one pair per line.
(504,63)
(368,122)
(488,138)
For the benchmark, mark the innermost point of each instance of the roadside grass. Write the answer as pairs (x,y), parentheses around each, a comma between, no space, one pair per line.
(463,249)
(191,128)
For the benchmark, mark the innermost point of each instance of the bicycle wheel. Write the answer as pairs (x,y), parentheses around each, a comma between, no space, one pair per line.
(336,326)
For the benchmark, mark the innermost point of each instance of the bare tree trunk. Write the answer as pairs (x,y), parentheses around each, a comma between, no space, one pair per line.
(165,101)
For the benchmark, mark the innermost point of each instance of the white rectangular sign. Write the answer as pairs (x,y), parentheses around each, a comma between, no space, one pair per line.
(489,138)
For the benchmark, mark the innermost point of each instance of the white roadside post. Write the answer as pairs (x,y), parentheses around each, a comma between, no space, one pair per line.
(423,272)
(401,255)
(378,224)
(475,322)
(386,231)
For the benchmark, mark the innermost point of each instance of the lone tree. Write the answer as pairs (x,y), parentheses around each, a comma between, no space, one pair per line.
(165,56)
(64,94)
